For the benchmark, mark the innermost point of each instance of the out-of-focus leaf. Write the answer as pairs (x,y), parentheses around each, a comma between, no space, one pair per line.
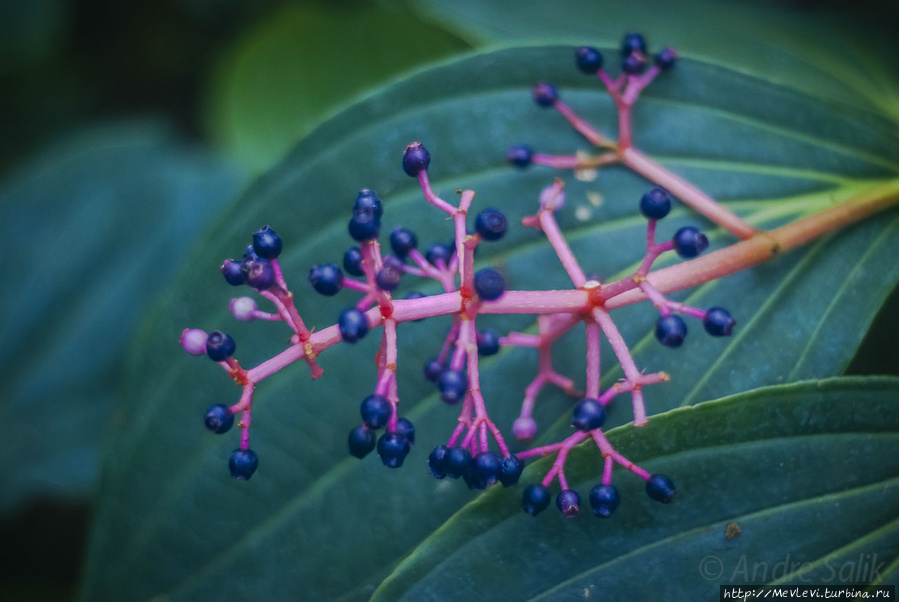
(303,62)
(91,232)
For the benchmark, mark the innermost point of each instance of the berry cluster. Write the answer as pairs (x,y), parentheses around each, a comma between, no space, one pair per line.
(476,450)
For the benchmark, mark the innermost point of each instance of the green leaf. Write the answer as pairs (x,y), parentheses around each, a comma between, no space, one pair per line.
(831,55)
(303,62)
(125,203)
(317,524)
(808,473)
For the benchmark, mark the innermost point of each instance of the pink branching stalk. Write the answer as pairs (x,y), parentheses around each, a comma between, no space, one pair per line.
(467,294)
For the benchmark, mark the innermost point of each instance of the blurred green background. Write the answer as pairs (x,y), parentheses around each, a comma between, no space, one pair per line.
(167,109)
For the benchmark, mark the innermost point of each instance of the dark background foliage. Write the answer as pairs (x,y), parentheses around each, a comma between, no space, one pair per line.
(167,82)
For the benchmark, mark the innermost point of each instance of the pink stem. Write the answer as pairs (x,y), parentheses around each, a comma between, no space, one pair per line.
(584,128)
(430,196)
(593,331)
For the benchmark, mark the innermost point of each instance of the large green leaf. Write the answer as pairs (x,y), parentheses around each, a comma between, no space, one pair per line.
(832,55)
(92,230)
(781,463)
(316,524)
(303,62)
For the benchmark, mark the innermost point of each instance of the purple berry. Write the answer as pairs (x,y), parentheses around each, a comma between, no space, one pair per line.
(402,241)
(666,59)
(456,462)
(486,468)
(194,341)
(453,386)
(535,499)
(219,346)
(510,471)
(393,449)
(439,252)
(326,279)
(656,203)
(589,414)
(367,199)
(258,273)
(435,462)
(416,159)
(490,224)
(376,411)
(718,322)
(266,243)
(405,427)
(232,272)
(433,370)
(588,59)
(604,499)
(243,464)
(520,156)
(660,488)
(488,342)
(671,331)
(489,284)
(633,64)
(633,42)
(352,261)
(361,441)
(569,503)
(544,94)
(388,278)
(353,325)
(219,419)
(689,242)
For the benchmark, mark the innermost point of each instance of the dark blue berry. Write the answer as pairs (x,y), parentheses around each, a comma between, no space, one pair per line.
(352,261)
(402,241)
(488,342)
(510,471)
(656,203)
(405,427)
(219,419)
(486,468)
(520,156)
(266,243)
(243,464)
(452,385)
(660,488)
(326,279)
(232,272)
(219,346)
(439,252)
(489,284)
(353,325)
(569,503)
(433,370)
(545,94)
(604,499)
(588,59)
(671,331)
(393,449)
(258,273)
(416,158)
(456,462)
(249,254)
(361,441)
(633,64)
(368,199)
(435,462)
(375,410)
(535,499)
(588,414)
(388,278)
(718,323)
(666,59)
(364,225)
(633,42)
(490,224)
(689,242)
